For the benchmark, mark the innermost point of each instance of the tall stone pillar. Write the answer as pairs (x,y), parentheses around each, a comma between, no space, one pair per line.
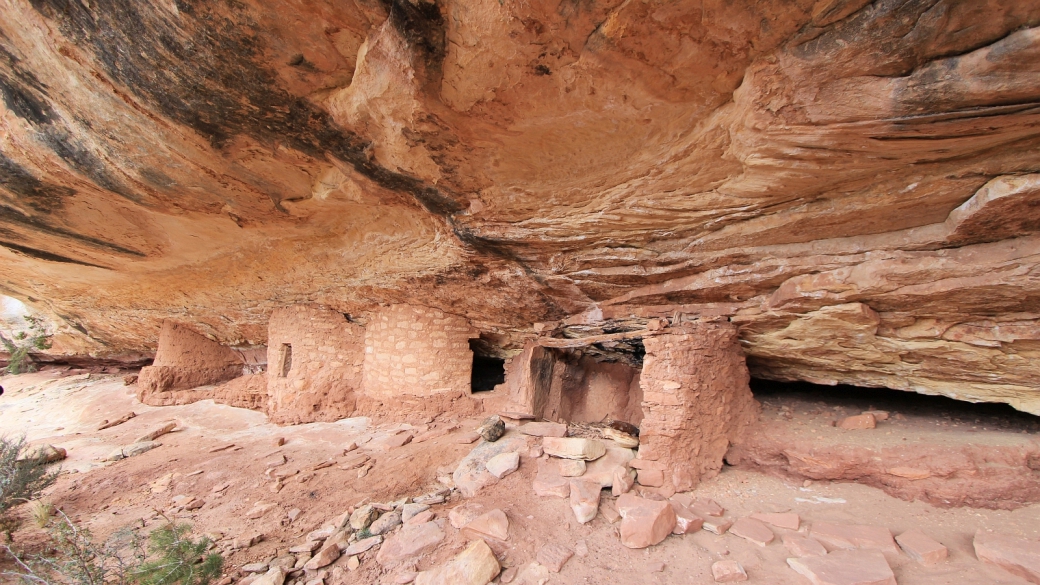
(696,401)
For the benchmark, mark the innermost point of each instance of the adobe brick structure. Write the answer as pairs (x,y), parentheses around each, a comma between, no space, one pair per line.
(314,358)
(417,359)
(696,401)
(185,360)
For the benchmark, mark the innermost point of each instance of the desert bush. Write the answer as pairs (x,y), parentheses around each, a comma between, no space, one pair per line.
(22,342)
(23,477)
(170,557)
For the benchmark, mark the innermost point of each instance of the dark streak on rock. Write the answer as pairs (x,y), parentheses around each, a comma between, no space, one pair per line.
(39,195)
(50,257)
(13,216)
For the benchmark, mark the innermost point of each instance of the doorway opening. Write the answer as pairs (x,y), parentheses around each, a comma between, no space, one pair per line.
(487,372)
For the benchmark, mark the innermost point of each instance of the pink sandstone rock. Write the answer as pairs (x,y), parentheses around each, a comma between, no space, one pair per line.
(803,546)
(849,536)
(622,482)
(476,565)
(716,525)
(549,483)
(846,567)
(858,422)
(920,547)
(788,520)
(602,469)
(753,531)
(650,477)
(584,499)
(544,429)
(493,524)
(685,520)
(706,507)
(554,556)
(1015,555)
(412,541)
(728,572)
(644,522)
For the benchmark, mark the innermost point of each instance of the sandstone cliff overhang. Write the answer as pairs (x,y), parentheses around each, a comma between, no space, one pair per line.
(854,184)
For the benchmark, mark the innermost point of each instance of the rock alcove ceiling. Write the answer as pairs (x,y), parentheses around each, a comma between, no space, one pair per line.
(855,184)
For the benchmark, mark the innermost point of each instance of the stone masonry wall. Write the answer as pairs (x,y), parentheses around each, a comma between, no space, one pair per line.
(413,351)
(185,359)
(314,361)
(696,401)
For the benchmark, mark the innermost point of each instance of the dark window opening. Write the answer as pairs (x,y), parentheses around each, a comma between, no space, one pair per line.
(285,360)
(488,372)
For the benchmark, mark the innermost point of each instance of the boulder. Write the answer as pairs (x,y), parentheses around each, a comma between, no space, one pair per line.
(476,565)
(644,522)
(492,428)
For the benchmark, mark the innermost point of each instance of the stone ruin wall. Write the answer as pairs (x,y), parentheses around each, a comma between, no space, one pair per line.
(184,361)
(321,379)
(696,401)
(417,360)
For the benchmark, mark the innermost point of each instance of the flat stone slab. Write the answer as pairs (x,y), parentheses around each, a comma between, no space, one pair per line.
(921,547)
(1018,556)
(752,530)
(574,448)
(728,572)
(544,429)
(803,546)
(846,567)
(851,536)
(787,520)
(412,541)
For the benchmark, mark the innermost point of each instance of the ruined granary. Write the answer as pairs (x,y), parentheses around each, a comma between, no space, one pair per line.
(667,243)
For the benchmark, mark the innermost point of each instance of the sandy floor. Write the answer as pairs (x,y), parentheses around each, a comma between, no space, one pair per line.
(106,496)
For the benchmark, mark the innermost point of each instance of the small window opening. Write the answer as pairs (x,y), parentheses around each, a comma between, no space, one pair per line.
(488,372)
(285,359)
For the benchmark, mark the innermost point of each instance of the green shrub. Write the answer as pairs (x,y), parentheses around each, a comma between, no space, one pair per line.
(22,342)
(171,558)
(23,477)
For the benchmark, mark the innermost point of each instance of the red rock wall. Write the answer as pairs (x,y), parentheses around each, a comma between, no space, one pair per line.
(696,401)
(184,360)
(324,377)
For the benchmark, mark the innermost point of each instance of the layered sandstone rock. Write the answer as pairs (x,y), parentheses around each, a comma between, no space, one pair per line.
(852,182)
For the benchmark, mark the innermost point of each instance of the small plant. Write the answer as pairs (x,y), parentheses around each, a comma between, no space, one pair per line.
(171,558)
(21,343)
(23,476)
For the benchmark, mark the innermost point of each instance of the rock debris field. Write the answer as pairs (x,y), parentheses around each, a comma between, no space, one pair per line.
(434,501)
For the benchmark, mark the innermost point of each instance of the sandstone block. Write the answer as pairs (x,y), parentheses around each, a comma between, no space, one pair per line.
(326,556)
(363,517)
(413,541)
(752,530)
(360,546)
(574,448)
(549,483)
(492,428)
(571,467)
(623,481)
(472,475)
(554,556)
(466,438)
(609,512)
(845,567)
(787,520)
(850,536)
(409,511)
(1015,555)
(706,507)
(644,522)
(385,523)
(716,525)
(803,546)
(584,499)
(503,464)
(602,470)
(544,429)
(650,477)
(493,524)
(858,422)
(728,572)
(476,565)
(685,520)
(273,576)
(920,547)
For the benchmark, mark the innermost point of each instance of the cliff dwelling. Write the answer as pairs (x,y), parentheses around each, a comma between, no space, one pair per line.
(459,292)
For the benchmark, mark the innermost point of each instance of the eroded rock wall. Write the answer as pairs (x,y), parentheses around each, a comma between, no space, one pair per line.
(185,360)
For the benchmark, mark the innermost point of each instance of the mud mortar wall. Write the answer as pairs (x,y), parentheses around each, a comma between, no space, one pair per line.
(185,359)
(321,375)
(696,401)
(416,351)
